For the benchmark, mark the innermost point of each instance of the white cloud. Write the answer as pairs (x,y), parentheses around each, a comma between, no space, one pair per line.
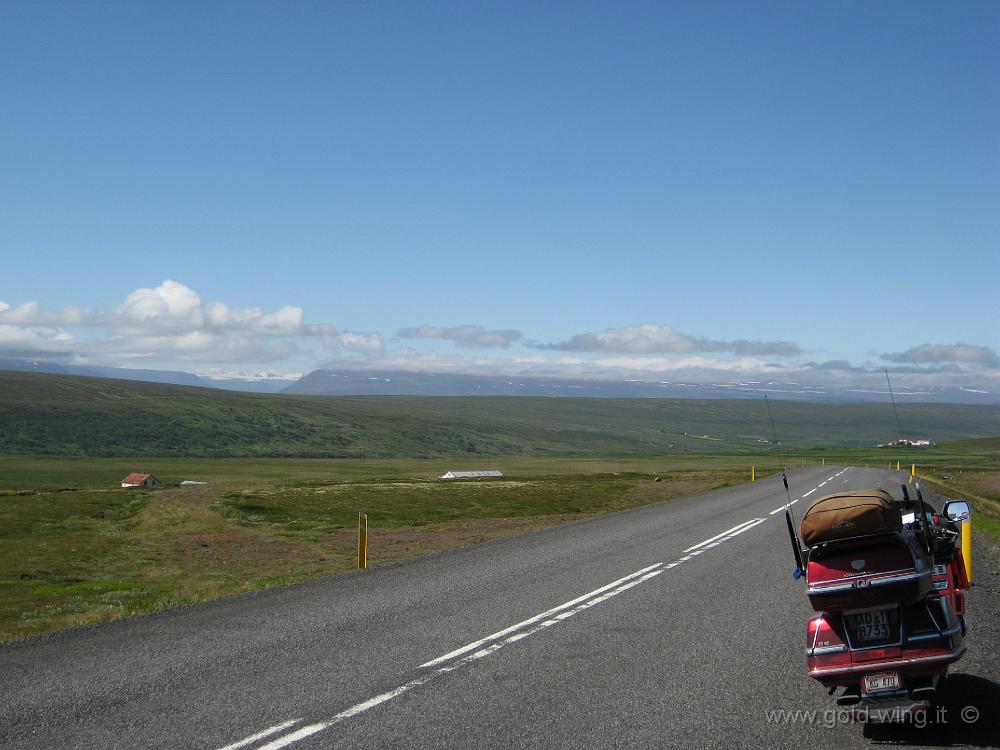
(653,338)
(468,336)
(357,340)
(169,323)
(33,314)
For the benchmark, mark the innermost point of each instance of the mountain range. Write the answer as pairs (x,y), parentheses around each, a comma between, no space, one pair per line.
(356,382)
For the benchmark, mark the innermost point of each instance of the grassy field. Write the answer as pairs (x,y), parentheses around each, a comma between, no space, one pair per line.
(65,416)
(74,549)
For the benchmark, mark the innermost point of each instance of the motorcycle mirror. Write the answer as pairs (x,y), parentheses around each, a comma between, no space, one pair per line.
(957,510)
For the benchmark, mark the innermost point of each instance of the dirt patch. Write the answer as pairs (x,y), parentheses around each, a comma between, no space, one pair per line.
(229,548)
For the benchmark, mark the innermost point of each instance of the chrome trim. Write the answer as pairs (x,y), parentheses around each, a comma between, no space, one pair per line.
(850,586)
(895,579)
(820,650)
(835,587)
(895,663)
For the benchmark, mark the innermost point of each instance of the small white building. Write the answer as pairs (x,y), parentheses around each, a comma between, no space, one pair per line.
(471,474)
(140,480)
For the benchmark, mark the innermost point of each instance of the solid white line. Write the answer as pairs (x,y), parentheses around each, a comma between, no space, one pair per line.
(756,522)
(540,622)
(531,620)
(717,536)
(295,736)
(260,735)
(360,708)
(808,493)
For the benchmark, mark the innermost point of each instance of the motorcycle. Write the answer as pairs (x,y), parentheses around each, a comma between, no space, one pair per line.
(889,585)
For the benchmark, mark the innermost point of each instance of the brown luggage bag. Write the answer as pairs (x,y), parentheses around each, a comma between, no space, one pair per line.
(850,514)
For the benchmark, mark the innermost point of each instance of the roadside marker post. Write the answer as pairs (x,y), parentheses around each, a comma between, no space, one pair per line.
(913,470)
(362,541)
(897,466)
(753,473)
(967,547)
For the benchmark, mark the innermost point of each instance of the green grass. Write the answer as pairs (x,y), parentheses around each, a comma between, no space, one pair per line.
(64,415)
(71,555)
(287,476)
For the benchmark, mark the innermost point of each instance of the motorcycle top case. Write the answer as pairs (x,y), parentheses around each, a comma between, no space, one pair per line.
(858,556)
(850,514)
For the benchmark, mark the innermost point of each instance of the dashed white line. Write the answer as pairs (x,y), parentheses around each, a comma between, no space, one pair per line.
(781,508)
(493,643)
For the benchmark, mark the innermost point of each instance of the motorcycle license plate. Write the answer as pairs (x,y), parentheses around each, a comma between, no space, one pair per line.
(881,681)
(873,626)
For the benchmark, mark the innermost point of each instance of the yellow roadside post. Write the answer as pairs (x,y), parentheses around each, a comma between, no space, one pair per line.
(753,473)
(362,541)
(824,462)
(913,470)
(897,466)
(967,547)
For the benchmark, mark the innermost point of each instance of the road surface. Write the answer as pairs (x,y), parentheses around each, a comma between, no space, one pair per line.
(672,625)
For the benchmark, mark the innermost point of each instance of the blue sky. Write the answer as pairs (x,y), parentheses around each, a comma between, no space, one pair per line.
(609,188)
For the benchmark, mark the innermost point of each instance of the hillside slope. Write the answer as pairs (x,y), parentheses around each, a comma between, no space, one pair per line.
(45,414)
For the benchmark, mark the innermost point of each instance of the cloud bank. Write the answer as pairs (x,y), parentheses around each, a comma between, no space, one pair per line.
(960,353)
(467,336)
(170,322)
(664,339)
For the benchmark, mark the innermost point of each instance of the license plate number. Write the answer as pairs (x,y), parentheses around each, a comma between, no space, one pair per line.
(873,626)
(881,681)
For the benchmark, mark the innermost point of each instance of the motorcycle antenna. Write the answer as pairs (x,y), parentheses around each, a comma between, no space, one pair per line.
(899,425)
(789,520)
(784,458)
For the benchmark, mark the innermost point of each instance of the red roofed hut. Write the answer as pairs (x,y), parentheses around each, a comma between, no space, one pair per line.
(140,480)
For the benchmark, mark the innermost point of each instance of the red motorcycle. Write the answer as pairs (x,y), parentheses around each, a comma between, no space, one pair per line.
(889,584)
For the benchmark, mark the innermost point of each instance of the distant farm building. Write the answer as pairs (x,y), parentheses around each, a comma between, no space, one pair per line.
(471,474)
(140,480)
(905,443)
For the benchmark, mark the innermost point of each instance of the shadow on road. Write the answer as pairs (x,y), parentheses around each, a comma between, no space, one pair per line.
(969,715)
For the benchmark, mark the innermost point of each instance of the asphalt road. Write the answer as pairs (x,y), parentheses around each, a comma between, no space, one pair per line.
(673,625)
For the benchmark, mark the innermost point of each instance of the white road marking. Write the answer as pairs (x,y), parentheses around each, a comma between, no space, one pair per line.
(531,620)
(778,510)
(513,634)
(299,734)
(360,708)
(717,536)
(260,735)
